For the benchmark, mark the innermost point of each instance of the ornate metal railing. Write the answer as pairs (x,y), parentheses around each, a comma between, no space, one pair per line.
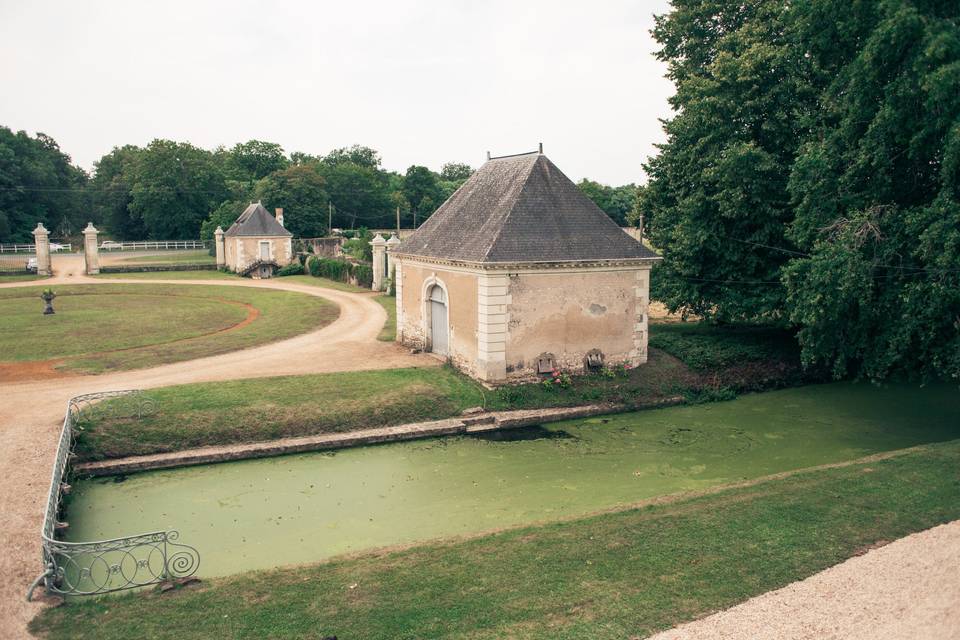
(102,566)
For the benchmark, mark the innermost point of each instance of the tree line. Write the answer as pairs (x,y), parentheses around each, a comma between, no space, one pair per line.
(175,190)
(811,176)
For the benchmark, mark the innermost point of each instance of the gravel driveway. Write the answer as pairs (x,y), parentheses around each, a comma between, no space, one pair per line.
(31,413)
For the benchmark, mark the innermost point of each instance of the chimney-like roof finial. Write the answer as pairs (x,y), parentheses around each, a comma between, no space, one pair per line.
(488,155)
(541,148)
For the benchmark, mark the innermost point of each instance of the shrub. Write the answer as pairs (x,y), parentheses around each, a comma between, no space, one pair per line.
(364,275)
(292,269)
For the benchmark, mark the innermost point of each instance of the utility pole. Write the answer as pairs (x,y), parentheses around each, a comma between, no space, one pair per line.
(330,218)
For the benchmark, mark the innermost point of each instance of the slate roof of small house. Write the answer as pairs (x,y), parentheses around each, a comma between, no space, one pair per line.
(521,209)
(256,221)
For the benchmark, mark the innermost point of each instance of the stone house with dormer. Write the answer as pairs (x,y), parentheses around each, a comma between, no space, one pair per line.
(256,244)
(518,273)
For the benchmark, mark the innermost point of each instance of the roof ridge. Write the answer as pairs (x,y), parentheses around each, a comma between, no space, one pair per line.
(515,155)
(513,205)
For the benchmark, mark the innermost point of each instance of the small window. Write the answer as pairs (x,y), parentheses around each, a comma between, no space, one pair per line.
(546,363)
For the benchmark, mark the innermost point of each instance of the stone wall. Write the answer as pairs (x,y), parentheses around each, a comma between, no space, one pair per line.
(241,251)
(569,313)
(413,319)
(501,321)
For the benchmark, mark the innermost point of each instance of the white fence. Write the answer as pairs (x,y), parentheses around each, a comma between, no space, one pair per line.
(32,248)
(110,245)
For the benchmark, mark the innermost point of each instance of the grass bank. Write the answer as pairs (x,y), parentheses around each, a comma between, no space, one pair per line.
(615,575)
(389,331)
(20,277)
(114,327)
(203,414)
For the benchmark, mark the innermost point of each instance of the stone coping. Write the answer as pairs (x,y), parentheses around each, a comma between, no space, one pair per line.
(467,423)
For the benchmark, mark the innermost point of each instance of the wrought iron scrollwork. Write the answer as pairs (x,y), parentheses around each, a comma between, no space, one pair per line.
(103,566)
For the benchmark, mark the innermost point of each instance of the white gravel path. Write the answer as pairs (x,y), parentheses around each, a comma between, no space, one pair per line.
(909,590)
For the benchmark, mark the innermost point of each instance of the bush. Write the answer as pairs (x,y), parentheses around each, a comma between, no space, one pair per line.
(292,269)
(364,275)
(340,270)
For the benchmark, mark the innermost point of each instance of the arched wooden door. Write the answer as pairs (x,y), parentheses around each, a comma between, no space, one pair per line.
(438,320)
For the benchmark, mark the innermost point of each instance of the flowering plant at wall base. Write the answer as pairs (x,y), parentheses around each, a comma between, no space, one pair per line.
(558,380)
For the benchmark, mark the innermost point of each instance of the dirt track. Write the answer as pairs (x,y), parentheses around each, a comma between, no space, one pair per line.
(31,412)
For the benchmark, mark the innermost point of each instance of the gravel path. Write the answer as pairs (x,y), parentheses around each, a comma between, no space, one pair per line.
(909,589)
(31,413)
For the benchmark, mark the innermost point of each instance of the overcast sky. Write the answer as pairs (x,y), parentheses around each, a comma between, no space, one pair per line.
(423,82)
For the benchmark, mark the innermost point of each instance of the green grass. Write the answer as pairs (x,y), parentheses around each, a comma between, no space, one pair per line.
(702,345)
(112,327)
(20,277)
(389,331)
(195,415)
(263,409)
(200,256)
(610,576)
(201,274)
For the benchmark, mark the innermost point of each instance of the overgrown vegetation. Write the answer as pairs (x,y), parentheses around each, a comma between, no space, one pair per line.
(340,270)
(610,576)
(812,176)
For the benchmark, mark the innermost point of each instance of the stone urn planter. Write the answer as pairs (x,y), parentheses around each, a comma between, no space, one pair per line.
(47,296)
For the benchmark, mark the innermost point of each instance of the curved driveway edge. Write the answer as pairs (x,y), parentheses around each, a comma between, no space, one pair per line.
(31,412)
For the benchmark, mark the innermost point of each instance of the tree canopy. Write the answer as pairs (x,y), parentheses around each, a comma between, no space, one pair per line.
(810,176)
(38,184)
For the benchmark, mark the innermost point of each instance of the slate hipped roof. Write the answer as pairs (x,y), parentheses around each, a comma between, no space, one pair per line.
(257,221)
(521,209)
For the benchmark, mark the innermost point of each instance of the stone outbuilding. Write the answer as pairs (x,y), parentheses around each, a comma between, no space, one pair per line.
(519,273)
(256,244)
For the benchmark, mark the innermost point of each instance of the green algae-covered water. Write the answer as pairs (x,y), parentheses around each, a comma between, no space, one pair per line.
(301,508)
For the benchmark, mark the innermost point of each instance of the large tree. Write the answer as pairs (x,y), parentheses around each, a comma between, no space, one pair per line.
(717,198)
(358,189)
(175,187)
(616,202)
(38,183)
(299,190)
(110,195)
(422,189)
(876,189)
(253,160)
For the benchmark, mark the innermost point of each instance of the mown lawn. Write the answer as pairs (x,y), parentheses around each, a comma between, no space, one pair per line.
(200,274)
(20,277)
(195,415)
(200,256)
(389,331)
(111,327)
(610,576)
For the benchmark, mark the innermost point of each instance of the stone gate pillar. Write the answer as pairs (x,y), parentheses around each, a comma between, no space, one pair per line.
(41,238)
(91,252)
(392,245)
(379,261)
(218,242)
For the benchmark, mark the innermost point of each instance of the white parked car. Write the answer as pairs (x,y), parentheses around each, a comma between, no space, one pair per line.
(110,244)
(32,265)
(56,246)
